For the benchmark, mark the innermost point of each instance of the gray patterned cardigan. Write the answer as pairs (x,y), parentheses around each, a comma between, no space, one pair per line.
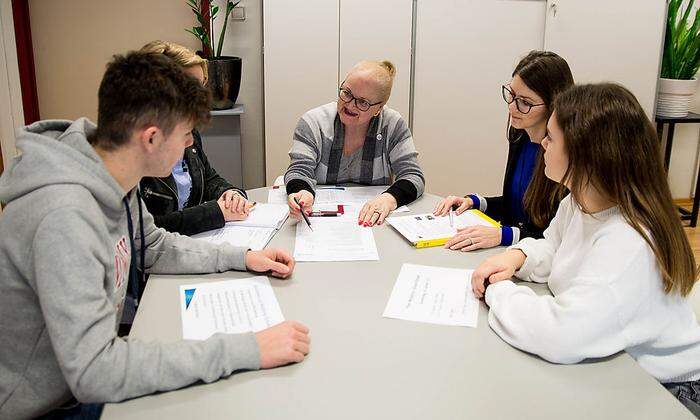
(388,152)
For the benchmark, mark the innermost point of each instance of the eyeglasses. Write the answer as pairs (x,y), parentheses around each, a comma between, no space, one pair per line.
(362,104)
(523,105)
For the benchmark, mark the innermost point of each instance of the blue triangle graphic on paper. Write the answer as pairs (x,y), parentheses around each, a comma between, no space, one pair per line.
(189,294)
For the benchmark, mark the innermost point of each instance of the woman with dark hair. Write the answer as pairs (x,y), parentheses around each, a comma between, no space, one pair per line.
(615,256)
(529,199)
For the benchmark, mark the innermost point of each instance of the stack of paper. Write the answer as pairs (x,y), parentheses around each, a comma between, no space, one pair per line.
(254,232)
(277,195)
(434,295)
(229,306)
(254,238)
(426,230)
(334,239)
(264,215)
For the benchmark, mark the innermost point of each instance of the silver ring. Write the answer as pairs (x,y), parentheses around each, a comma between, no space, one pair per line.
(470,242)
(378,212)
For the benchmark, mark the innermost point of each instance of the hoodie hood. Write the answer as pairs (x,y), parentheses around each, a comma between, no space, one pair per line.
(58,152)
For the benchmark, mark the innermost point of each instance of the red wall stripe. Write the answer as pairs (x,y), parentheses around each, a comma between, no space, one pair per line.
(25,60)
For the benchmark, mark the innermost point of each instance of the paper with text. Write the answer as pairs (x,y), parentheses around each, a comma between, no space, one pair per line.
(229,306)
(254,238)
(264,215)
(434,295)
(426,226)
(334,239)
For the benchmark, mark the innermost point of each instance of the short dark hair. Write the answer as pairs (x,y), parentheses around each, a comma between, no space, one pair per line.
(140,89)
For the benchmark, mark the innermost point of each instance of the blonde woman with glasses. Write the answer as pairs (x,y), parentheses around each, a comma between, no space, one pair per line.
(356,139)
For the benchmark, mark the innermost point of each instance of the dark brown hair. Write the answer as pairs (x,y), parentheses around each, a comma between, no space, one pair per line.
(141,89)
(613,147)
(547,74)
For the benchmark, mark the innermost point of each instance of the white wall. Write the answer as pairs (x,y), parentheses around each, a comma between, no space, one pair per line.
(301,70)
(465,50)
(244,39)
(385,33)
(11,115)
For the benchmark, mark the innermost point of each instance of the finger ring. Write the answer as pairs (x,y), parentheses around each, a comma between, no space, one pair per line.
(470,242)
(378,212)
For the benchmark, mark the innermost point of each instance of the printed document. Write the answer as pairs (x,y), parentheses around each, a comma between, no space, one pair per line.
(254,238)
(228,306)
(334,239)
(434,295)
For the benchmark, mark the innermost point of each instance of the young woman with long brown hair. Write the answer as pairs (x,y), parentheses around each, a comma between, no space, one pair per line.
(529,199)
(615,256)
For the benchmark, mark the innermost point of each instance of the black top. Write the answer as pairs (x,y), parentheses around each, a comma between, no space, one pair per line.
(201,212)
(497,207)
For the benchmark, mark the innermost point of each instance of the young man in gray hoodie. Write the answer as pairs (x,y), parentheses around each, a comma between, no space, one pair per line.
(72,233)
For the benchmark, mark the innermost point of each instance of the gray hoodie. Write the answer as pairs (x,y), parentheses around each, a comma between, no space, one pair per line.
(64,267)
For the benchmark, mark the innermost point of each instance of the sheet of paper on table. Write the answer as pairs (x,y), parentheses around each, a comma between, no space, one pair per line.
(334,239)
(229,306)
(254,238)
(264,215)
(353,197)
(434,295)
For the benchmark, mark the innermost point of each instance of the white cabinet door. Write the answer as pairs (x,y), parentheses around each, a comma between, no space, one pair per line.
(603,40)
(378,30)
(465,50)
(300,70)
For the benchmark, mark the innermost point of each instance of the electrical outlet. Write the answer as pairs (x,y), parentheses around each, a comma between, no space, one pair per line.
(238,13)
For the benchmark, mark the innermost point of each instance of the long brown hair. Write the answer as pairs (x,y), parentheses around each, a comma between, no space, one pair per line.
(613,147)
(547,74)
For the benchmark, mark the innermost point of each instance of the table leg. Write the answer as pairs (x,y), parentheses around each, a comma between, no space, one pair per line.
(696,203)
(669,145)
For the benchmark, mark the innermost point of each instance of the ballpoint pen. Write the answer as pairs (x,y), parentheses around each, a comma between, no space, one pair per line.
(306,218)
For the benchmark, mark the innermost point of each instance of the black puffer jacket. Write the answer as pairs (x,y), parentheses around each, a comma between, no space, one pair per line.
(201,212)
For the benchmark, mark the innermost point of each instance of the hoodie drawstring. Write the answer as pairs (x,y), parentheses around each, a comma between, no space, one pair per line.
(135,278)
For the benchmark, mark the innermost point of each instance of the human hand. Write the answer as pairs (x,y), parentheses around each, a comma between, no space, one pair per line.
(475,237)
(443,207)
(496,268)
(278,261)
(234,206)
(281,344)
(376,210)
(306,202)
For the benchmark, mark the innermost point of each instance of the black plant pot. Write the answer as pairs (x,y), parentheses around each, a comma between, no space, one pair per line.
(224,81)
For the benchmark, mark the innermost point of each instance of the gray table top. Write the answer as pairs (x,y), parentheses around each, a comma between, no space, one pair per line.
(362,365)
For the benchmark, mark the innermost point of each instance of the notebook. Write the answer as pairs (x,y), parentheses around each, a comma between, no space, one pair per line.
(426,230)
(264,215)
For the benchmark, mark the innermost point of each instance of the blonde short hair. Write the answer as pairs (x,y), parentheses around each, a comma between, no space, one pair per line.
(383,72)
(176,52)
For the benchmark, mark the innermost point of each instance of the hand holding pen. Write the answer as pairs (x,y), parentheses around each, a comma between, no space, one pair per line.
(303,214)
(300,202)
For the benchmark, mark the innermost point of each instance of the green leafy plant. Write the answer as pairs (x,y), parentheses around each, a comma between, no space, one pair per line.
(206,12)
(681,58)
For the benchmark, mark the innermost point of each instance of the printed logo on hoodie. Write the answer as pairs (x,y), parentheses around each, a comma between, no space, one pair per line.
(122,257)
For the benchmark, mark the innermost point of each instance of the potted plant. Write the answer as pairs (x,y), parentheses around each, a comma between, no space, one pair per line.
(224,71)
(681,60)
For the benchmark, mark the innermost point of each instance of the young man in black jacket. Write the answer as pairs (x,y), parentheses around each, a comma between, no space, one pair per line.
(193,198)
(212,200)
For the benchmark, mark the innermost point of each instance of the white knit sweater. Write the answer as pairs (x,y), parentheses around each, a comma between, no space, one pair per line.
(607,297)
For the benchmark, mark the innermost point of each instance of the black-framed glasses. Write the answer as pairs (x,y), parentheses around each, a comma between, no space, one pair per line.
(523,105)
(362,104)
